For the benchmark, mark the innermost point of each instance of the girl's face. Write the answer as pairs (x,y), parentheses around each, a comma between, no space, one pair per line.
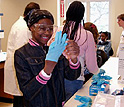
(103,37)
(42,31)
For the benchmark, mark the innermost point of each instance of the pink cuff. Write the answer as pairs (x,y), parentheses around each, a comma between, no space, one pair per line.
(63,103)
(74,66)
(42,73)
(42,77)
(73,63)
(40,80)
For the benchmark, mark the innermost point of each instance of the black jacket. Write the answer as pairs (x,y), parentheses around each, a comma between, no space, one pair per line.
(29,61)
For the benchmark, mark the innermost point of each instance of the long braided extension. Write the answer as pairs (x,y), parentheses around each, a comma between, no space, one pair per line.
(74,15)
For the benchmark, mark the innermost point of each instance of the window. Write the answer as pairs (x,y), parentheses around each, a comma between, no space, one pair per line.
(99,15)
(97,12)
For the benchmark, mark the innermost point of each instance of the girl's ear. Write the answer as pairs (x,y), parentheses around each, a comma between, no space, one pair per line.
(32,28)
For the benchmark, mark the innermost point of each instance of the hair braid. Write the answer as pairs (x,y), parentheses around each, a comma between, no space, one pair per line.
(75,13)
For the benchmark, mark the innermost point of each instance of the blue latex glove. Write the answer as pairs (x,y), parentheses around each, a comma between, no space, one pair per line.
(57,47)
(88,104)
(102,72)
(86,101)
(83,99)
(106,77)
(94,82)
(102,81)
(95,77)
(107,82)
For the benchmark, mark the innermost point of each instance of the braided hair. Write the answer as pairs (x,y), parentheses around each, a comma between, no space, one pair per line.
(74,15)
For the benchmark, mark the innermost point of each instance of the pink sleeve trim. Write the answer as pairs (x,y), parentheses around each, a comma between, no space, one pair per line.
(63,103)
(73,63)
(75,67)
(40,80)
(46,78)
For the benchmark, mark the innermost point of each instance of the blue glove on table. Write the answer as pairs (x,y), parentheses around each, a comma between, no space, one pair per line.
(95,77)
(88,104)
(102,72)
(57,47)
(86,101)
(102,81)
(83,99)
(106,77)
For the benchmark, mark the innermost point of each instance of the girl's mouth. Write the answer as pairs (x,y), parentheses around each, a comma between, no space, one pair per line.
(45,38)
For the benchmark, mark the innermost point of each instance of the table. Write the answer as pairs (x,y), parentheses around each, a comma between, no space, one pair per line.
(111,68)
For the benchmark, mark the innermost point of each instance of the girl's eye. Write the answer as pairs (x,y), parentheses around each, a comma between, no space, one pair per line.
(42,28)
(51,28)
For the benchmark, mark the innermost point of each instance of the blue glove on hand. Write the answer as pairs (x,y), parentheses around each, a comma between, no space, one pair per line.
(57,47)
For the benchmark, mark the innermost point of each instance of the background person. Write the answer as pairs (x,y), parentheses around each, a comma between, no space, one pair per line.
(18,36)
(85,40)
(103,44)
(41,72)
(93,29)
(101,55)
(120,21)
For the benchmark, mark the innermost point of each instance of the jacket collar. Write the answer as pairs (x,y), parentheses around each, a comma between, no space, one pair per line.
(33,43)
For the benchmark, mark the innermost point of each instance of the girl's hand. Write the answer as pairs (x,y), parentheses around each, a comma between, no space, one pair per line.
(72,50)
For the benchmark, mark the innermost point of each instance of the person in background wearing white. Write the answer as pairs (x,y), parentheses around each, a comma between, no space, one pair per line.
(18,36)
(120,21)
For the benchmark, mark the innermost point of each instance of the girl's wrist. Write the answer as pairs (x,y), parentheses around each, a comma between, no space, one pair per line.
(49,66)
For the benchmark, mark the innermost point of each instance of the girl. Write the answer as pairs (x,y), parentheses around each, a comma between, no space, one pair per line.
(40,72)
(84,39)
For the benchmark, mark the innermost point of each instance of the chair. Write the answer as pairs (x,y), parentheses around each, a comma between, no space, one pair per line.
(111,52)
(109,36)
(99,61)
(101,57)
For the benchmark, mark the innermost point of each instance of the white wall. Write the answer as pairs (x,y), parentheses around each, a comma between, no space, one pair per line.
(117,7)
(12,9)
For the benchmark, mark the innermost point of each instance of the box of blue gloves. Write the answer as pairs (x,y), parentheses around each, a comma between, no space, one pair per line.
(100,83)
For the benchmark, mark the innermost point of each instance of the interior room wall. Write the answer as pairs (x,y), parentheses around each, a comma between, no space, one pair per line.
(116,9)
(13,9)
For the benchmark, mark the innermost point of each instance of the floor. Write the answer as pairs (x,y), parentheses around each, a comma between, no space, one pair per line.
(6,102)
(2,104)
